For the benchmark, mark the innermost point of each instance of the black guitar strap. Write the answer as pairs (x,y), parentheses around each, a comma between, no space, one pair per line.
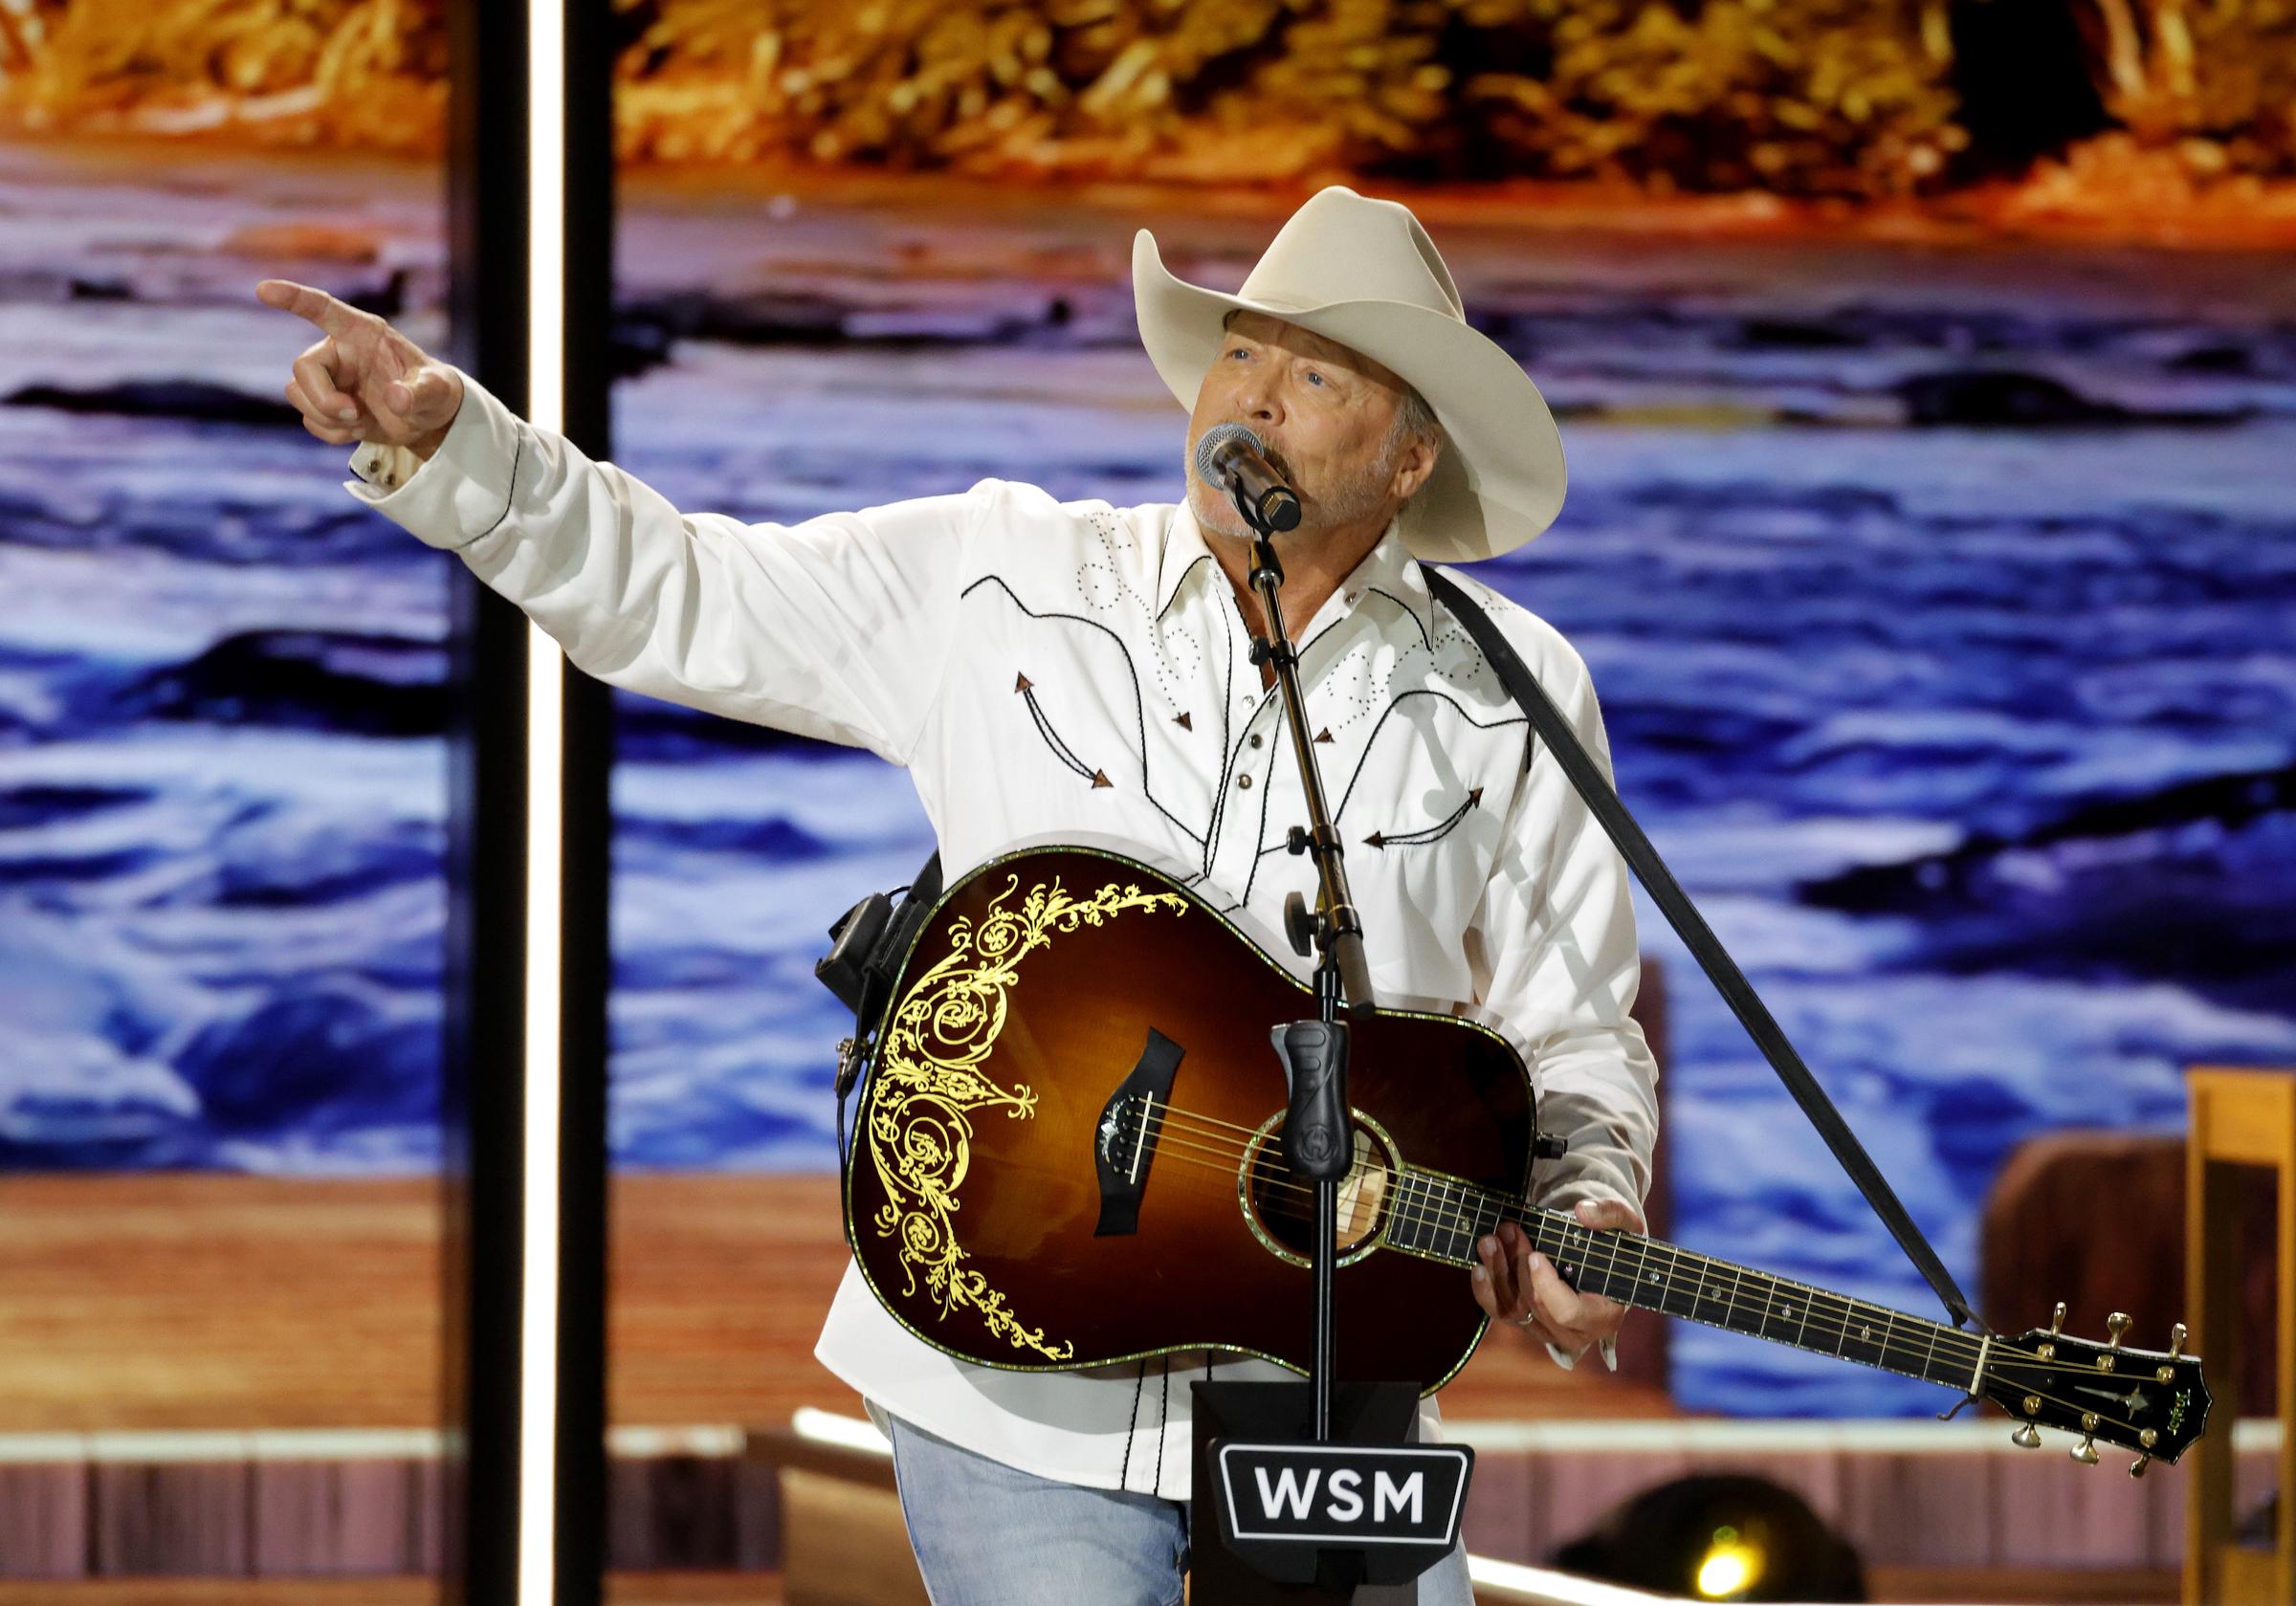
(1587,779)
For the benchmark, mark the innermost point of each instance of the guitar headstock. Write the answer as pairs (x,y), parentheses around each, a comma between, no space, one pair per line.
(2151,1401)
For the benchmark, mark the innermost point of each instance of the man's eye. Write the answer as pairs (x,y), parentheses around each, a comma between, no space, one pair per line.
(1237,351)
(1314,377)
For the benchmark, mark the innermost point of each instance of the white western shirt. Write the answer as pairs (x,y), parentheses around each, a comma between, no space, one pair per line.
(1077,672)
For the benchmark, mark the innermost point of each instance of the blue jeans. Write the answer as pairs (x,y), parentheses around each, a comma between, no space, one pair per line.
(987,1534)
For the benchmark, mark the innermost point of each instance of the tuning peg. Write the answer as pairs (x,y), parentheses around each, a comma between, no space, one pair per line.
(2136,1467)
(2116,1324)
(2176,1336)
(2026,1437)
(2048,1351)
(2085,1452)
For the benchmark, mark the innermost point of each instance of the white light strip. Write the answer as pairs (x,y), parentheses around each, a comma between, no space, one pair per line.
(545,732)
(849,1433)
(1517,1585)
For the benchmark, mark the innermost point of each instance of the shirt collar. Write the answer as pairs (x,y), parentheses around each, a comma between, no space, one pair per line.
(1387,569)
(1185,552)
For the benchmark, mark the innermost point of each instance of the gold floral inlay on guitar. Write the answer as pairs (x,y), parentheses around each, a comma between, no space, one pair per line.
(930,1086)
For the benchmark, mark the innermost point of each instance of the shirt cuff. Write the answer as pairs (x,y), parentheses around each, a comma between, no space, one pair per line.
(463,493)
(386,468)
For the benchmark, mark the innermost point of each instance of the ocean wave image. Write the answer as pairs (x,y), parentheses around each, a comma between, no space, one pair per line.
(1938,600)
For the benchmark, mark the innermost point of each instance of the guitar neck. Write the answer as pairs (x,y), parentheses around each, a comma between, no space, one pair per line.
(1441,1217)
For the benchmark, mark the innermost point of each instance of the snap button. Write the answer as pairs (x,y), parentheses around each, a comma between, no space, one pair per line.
(1255,738)
(1243,782)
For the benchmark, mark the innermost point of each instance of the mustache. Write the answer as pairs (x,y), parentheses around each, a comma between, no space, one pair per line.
(1276,460)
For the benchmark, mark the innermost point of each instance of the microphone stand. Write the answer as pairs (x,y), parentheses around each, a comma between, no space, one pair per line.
(1249,1435)
(1318,1134)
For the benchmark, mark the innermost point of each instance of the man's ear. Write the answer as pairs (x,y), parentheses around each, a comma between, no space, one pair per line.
(1417,464)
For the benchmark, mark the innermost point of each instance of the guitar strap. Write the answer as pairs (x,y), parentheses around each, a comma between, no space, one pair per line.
(1587,779)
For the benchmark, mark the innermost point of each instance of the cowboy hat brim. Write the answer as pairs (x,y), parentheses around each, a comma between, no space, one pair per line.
(1500,479)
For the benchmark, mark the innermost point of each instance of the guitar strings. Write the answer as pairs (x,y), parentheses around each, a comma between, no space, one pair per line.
(1837,1324)
(1501,1206)
(1223,1171)
(1217,1169)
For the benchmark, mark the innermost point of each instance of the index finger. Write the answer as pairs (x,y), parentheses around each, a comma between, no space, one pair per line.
(317,306)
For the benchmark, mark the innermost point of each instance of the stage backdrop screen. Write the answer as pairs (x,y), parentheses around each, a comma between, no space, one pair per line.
(223,785)
(1926,375)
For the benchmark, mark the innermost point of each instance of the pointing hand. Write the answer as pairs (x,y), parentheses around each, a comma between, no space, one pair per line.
(361,380)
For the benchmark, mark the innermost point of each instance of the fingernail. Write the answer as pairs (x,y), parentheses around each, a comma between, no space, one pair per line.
(346,413)
(1487,1245)
(1480,1275)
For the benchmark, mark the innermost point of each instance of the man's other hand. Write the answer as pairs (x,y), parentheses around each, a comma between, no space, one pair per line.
(1517,1284)
(361,380)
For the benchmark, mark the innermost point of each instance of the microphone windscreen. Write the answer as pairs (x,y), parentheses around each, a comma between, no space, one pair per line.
(1209,443)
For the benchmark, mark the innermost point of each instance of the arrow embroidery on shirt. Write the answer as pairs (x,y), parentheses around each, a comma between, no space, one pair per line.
(1324,735)
(1184,721)
(1440,828)
(1026,689)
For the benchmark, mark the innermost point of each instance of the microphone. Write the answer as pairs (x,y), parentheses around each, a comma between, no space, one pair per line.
(1230,456)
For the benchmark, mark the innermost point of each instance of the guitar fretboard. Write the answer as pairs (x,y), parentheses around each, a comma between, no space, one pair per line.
(1441,1216)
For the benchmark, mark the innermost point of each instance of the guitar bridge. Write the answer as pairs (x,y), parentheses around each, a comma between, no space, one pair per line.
(1124,1148)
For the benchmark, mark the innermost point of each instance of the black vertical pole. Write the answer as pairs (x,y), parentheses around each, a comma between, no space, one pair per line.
(484,1098)
(490,201)
(588,827)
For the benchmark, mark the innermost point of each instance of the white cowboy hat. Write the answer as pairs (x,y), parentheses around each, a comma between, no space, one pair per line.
(1364,274)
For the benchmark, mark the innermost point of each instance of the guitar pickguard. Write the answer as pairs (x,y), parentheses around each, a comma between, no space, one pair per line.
(930,1086)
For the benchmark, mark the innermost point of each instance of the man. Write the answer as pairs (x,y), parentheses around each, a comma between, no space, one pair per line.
(1052,671)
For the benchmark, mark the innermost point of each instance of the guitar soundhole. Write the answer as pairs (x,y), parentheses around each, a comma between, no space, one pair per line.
(1281,1208)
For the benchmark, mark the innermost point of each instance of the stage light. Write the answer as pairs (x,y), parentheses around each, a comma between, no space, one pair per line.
(1719,1537)
(1729,1566)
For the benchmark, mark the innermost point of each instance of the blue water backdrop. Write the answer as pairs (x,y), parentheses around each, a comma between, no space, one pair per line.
(1938,600)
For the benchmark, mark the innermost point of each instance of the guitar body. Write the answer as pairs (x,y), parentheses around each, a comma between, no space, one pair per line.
(1067,1152)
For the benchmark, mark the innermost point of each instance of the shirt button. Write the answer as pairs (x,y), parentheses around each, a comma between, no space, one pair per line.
(1255,738)
(1243,782)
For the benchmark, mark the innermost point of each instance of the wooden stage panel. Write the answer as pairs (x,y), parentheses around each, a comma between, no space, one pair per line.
(158,1300)
(188,1301)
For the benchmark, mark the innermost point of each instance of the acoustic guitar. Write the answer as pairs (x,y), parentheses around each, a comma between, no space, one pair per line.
(1068,1153)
